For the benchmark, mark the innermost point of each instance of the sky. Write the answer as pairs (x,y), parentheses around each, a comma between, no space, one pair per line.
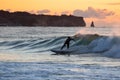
(104,13)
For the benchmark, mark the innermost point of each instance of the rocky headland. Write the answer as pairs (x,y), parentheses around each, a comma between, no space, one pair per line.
(26,19)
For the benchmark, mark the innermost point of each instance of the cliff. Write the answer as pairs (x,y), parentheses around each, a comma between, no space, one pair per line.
(27,19)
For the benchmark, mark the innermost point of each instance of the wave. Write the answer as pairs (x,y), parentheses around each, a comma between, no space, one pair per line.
(106,45)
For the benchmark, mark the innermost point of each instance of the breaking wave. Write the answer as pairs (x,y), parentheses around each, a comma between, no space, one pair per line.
(105,45)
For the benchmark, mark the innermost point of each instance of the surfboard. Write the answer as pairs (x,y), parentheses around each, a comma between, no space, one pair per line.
(61,52)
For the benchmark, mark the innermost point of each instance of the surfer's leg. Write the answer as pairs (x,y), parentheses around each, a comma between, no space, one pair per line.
(67,45)
(62,46)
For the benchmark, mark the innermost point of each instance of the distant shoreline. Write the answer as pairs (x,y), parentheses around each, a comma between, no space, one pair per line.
(40,26)
(32,20)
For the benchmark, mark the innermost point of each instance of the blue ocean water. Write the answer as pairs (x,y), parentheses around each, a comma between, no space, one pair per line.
(25,53)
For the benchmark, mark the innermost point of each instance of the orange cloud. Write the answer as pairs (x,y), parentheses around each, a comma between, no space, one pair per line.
(65,12)
(93,13)
(45,11)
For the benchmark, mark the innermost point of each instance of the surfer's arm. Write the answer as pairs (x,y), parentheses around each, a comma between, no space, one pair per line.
(73,39)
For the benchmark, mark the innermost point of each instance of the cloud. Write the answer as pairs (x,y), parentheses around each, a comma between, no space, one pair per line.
(45,11)
(32,11)
(8,10)
(65,12)
(114,3)
(93,13)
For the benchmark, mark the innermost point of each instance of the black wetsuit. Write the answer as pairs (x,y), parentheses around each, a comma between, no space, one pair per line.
(67,42)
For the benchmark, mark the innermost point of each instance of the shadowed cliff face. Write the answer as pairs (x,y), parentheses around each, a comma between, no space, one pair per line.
(27,19)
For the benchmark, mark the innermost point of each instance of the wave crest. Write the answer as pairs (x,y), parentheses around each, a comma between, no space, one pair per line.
(105,45)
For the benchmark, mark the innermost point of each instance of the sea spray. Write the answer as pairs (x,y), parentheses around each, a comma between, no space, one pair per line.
(107,45)
(113,31)
(114,51)
(103,44)
(88,31)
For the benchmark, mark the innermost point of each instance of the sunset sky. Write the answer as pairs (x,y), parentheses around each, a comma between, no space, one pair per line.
(102,12)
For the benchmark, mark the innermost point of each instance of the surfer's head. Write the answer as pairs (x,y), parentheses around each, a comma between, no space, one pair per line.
(69,37)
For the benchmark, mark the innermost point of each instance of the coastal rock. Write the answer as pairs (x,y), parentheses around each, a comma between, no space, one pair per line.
(27,19)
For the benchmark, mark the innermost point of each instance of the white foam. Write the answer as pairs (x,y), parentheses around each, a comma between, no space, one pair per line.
(108,46)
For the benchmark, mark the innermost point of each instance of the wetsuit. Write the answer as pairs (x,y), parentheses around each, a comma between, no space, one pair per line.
(67,42)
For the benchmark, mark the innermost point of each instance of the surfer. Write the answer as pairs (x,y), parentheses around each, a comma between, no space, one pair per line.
(67,42)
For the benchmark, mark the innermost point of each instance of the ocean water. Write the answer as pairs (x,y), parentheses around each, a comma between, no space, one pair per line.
(25,53)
